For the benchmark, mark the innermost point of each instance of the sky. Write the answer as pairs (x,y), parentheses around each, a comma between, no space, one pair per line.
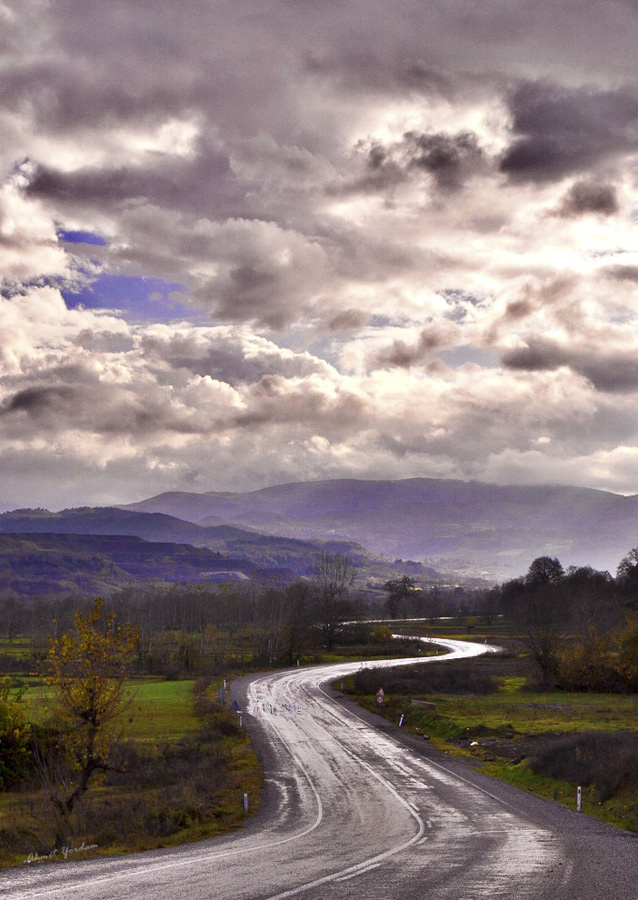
(249,243)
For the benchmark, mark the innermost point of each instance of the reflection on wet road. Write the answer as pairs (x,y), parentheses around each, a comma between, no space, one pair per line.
(349,811)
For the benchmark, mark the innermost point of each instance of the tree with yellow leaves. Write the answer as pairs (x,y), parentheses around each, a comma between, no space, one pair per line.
(87,668)
(15,733)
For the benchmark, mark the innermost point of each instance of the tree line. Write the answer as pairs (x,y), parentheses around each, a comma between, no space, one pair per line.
(186,629)
(579,625)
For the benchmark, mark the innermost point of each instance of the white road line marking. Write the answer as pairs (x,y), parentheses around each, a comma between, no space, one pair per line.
(361,872)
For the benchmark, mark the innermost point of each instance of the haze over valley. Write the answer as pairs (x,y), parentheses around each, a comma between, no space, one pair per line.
(449,530)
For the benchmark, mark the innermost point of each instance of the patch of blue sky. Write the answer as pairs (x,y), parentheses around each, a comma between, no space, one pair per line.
(81,237)
(458,301)
(147,299)
(379,321)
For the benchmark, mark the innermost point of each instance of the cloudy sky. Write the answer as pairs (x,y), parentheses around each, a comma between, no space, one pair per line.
(245,242)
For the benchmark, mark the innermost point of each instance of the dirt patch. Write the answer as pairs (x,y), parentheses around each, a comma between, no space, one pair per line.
(506,743)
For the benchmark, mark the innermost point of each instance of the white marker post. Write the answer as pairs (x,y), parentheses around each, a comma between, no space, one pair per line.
(579,797)
(245,802)
(401,720)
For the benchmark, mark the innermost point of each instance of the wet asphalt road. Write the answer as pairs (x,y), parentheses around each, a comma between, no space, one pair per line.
(354,809)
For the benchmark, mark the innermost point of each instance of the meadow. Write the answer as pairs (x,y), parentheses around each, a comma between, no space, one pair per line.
(186,763)
(544,742)
(183,767)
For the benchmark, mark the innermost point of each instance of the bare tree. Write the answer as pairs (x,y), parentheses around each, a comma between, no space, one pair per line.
(332,582)
(541,623)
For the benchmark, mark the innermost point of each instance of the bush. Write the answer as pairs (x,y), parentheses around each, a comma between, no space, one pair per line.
(359,633)
(608,760)
(442,678)
(15,734)
(591,664)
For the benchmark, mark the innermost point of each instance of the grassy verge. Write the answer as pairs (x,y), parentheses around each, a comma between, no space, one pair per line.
(157,710)
(183,772)
(519,735)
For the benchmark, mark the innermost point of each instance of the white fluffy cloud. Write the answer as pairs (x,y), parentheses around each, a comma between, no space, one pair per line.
(411,229)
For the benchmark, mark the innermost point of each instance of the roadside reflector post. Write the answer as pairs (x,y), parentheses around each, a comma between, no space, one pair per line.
(245,802)
(401,720)
(579,798)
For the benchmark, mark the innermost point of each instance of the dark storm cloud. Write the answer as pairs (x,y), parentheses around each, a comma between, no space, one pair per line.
(121,63)
(37,401)
(382,174)
(67,97)
(102,408)
(589,197)
(348,320)
(609,372)
(317,166)
(403,356)
(202,184)
(560,130)
(449,159)
(363,70)
(242,269)
(622,273)
(274,400)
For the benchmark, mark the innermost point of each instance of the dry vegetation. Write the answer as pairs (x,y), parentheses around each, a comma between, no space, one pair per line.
(546,742)
(160,791)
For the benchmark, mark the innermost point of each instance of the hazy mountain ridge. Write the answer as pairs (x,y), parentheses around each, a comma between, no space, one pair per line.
(40,563)
(468,528)
(229,540)
(454,525)
(138,545)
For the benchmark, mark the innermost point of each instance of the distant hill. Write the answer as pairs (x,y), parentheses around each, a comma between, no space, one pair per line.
(467,527)
(49,564)
(259,556)
(261,550)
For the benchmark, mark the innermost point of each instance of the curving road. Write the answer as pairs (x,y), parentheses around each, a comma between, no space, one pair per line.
(353,810)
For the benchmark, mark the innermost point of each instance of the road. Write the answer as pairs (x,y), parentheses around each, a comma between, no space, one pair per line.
(353,810)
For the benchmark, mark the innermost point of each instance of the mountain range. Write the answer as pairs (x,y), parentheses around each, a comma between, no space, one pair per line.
(456,526)
(100,549)
(418,526)
(52,564)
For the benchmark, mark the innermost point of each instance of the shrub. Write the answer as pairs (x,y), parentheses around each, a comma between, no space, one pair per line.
(15,733)
(607,760)
(381,634)
(443,678)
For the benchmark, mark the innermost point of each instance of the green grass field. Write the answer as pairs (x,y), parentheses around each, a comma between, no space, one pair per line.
(516,710)
(530,711)
(20,648)
(161,711)
(156,711)
(162,722)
